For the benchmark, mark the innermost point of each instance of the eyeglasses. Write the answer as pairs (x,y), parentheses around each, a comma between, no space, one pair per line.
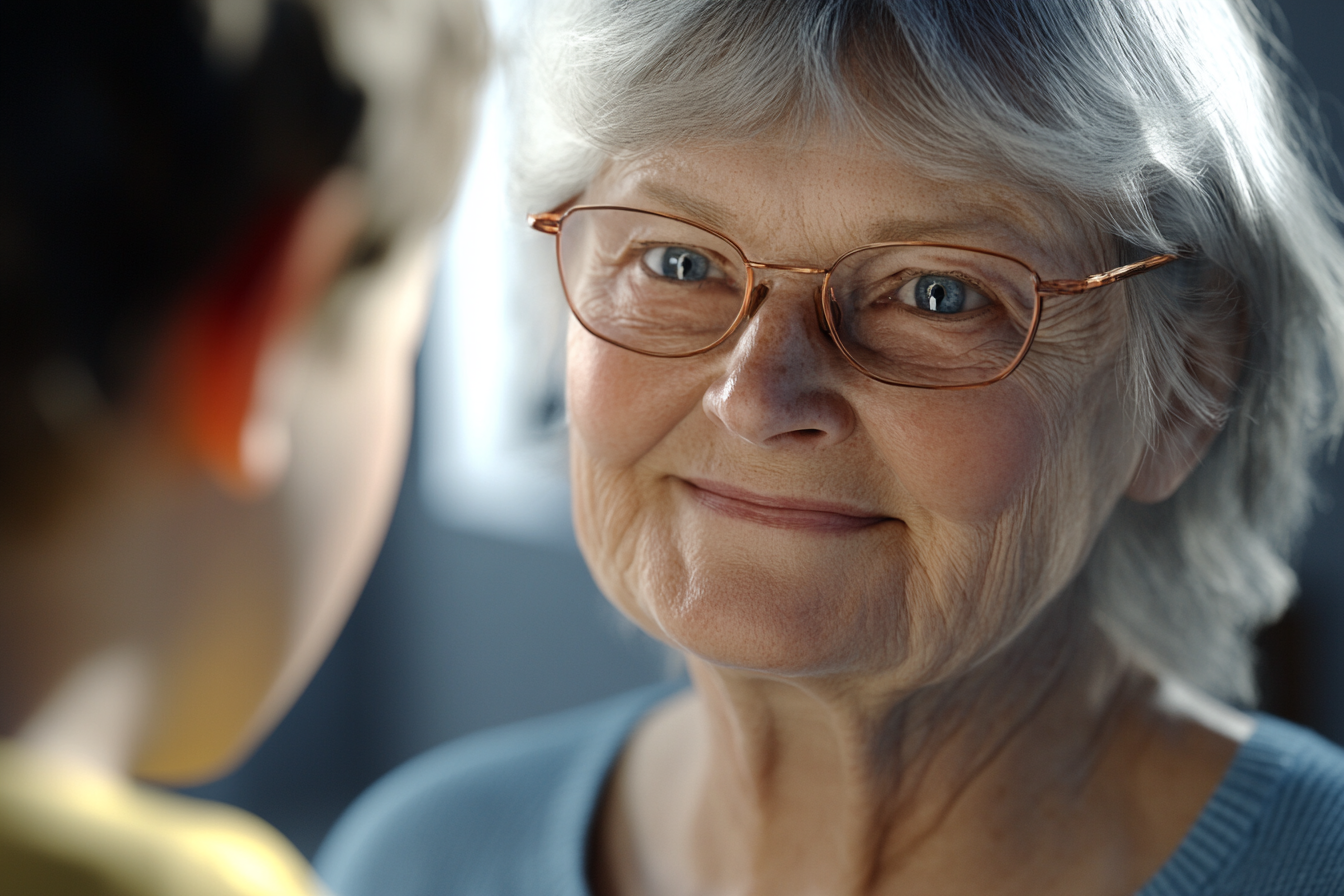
(926,315)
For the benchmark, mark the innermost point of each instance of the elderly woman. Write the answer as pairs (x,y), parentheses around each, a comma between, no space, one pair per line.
(942,383)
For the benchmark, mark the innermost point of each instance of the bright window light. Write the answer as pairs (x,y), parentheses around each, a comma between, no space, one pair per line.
(492,428)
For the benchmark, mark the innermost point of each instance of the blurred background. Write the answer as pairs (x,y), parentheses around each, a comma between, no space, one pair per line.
(480,611)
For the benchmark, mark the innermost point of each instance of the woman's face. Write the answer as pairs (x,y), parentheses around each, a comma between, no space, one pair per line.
(766,506)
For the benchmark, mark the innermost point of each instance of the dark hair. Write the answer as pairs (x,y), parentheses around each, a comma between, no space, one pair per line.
(133,160)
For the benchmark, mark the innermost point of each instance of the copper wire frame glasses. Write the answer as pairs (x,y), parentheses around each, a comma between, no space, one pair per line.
(553,223)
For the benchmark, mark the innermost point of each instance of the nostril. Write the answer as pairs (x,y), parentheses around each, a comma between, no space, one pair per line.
(799,436)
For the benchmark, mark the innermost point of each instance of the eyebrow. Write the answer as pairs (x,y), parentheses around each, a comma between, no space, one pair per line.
(903,231)
(703,211)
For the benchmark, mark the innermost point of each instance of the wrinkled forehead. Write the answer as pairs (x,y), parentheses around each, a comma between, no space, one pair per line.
(809,202)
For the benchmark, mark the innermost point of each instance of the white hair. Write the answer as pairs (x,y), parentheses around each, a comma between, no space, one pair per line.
(1164,124)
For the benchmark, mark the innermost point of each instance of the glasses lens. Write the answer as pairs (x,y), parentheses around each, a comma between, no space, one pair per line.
(650,283)
(931,315)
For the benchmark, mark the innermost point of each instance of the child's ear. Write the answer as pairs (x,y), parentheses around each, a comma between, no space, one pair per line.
(1215,355)
(236,321)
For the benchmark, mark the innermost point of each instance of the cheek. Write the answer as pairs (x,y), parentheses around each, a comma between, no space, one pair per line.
(621,407)
(963,456)
(621,404)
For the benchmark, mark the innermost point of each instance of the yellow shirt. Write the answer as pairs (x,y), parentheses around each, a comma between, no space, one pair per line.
(66,829)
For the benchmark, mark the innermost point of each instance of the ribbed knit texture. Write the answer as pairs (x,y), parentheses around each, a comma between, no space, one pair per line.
(507,813)
(1275,825)
(500,813)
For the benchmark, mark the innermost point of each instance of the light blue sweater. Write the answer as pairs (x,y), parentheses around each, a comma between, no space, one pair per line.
(507,813)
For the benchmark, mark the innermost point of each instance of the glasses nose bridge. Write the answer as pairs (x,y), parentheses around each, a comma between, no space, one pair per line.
(761,289)
(787,268)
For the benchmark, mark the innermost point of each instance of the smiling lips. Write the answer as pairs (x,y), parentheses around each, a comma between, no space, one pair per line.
(780,513)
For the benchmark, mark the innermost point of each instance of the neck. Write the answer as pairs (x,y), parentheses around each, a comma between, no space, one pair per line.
(80,610)
(833,786)
(96,715)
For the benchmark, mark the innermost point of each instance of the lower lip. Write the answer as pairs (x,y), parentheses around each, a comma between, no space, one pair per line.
(780,517)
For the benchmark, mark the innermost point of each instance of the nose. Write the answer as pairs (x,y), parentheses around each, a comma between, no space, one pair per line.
(783,386)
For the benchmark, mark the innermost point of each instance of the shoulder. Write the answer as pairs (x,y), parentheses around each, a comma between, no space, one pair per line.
(1280,814)
(1301,832)
(66,829)
(463,816)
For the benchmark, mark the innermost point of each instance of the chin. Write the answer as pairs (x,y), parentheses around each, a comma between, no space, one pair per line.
(191,761)
(774,621)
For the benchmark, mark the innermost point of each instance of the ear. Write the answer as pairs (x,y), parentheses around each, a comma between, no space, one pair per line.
(1214,355)
(1176,450)
(236,321)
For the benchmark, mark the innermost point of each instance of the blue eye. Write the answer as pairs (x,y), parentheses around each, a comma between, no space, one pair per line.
(677,263)
(942,295)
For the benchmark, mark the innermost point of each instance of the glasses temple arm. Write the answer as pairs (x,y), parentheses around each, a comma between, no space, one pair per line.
(546,222)
(1106,278)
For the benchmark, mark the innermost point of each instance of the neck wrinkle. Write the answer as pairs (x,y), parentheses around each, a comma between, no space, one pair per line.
(888,776)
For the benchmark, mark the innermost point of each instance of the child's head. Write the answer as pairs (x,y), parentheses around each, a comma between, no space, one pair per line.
(214,261)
